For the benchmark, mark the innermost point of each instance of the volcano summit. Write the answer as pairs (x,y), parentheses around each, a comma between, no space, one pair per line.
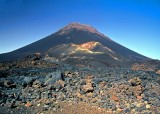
(59,45)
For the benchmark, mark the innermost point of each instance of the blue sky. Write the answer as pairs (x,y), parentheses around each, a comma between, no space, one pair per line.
(133,23)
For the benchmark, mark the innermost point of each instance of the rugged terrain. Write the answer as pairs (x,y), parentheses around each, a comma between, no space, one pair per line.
(47,85)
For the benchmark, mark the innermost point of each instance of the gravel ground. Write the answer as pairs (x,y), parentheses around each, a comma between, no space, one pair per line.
(45,86)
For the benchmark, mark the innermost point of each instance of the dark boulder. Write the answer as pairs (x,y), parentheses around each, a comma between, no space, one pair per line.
(9,84)
(53,77)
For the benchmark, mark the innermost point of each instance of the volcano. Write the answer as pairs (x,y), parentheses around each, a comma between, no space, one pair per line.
(77,40)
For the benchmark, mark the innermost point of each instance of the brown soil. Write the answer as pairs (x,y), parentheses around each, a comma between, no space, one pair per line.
(78,108)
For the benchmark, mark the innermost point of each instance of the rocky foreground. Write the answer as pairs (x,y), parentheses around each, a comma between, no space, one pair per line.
(45,86)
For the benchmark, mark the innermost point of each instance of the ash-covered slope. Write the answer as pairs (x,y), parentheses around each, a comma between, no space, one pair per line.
(89,50)
(73,33)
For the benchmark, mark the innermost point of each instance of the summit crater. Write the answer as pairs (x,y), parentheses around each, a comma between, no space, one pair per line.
(79,27)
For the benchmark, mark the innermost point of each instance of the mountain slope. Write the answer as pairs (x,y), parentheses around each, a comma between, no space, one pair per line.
(73,33)
(89,50)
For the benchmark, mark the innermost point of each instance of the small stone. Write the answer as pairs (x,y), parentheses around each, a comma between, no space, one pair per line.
(57,106)
(102,84)
(90,95)
(146,99)
(115,98)
(113,107)
(9,84)
(69,74)
(88,77)
(46,106)
(132,106)
(57,87)
(82,82)
(119,110)
(93,100)
(87,88)
(62,83)
(145,102)
(135,81)
(126,110)
(28,81)
(37,84)
(148,106)
(138,105)
(79,95)
(139,97)
(156,102)
(88,81)
(28,104)
(54,109)
(137,90)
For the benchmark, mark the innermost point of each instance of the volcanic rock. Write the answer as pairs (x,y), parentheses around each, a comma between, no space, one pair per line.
(28,81)
(53,77)
(9,84)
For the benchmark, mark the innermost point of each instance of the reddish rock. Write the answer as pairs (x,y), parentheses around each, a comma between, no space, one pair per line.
(87,88)
(28,104)
(93,100)
(139,97)
(115,98)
